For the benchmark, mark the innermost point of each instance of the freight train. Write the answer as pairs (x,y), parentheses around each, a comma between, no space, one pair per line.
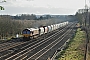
(30,33)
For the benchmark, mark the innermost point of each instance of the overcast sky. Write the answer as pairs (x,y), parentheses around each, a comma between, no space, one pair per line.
(61,7)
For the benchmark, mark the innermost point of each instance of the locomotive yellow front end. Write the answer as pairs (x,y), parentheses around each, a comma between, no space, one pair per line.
(26,34)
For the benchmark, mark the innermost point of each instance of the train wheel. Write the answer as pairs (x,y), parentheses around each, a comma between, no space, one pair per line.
(26,38)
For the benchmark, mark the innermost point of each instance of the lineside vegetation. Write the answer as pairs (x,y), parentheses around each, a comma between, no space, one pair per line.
(75,49)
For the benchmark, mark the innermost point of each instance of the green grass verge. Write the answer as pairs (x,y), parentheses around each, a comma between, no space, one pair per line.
(75,50)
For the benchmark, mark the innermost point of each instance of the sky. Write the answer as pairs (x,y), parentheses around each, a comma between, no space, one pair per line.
(40,7)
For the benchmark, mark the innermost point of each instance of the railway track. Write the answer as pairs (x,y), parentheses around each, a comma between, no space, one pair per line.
(10,44)
(46,49)
(29,50)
